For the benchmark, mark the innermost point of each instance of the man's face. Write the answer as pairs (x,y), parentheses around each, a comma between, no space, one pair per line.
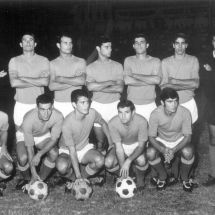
(170,105)
(180,46)
(28,43)
(140,45)
(65,46)
(213,42)
(82,105)
(106,49)
(45,111)
(125,114)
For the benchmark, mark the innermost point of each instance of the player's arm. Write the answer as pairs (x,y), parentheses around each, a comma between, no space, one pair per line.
(117,88)
(38,82)
(186,140)
(75,81)
(137,152)
(148,79)
(157,145)
(120,153)
(99,86)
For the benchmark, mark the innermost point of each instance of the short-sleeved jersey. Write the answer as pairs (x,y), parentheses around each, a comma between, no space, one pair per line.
(67,67)
(100,71)
(170,128)
(135,131)
(76,132)
(34,67)
(3,121)
(149,66)
(186,68)
(32,126)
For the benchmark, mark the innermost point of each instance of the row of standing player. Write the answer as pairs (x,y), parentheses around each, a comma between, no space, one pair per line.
(29,73)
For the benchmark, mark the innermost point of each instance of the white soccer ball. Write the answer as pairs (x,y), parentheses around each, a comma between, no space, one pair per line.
(82,190)
(38,190)
(126,187)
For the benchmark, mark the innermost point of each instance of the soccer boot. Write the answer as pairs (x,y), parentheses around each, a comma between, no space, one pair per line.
(161,185)
(187,186)
(21,183)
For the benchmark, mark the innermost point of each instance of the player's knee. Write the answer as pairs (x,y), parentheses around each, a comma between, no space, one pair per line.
(141,160)
(53,154)
(187,153)
(8,168)
(99,161)
(151,154)
(23,159)
(62,166)
(109,162)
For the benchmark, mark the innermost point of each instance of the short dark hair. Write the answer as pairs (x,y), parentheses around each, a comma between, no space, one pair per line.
(44,99)
(140,35)
(126,103)
(180,35)
(103,39)
(79,93)
(167,93)
(63,34)
(29,33)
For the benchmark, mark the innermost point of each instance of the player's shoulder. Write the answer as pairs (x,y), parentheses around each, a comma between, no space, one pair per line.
(30,116)
(167,59)
(183,110)
(191,57)
(158,110)
(154,59)
(41,58)
(16,58)
(140,119)
(114,120)
(57,114)
(115,63)
(130,58)
(78,59)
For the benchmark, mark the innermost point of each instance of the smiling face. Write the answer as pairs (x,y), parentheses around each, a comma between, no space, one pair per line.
(140,45)
(28,43)
(44,111)
(180,46)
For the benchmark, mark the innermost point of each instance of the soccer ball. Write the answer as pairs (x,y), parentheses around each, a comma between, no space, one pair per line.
(82,190)
(38,190)
(126,187)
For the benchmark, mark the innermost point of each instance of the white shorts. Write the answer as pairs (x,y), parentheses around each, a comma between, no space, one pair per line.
(108,111)
(20,110)
(64,107)
(37,140)
(129,149)
(191,106)
(168,144)
(145,110)
(81,153)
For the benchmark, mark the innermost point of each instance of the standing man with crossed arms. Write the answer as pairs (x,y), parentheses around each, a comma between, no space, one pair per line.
(67,73)
(105,80)
(142,74)
(29,74)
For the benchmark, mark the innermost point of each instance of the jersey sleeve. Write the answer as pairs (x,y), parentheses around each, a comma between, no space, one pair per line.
(12,67)
(164,73)
(82,67)
(67,134)
(45,71)
(98,118)
(187,123)
(153,125)
(157,68)
(57,127)
(195,70)
(120,72)
(89,77)
(127,68)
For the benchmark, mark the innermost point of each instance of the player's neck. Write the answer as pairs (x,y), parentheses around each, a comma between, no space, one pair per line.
(65,55)
(142,56)
(28,54)
(79,116)
(103,59)
(179,56)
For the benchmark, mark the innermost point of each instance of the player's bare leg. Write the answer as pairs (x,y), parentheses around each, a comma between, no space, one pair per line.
(101,139)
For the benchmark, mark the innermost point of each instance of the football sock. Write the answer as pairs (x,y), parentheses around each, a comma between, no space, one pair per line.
(175,167)
(24,171)
(159,167)
(212,160)
(140,172)
(46,168)
(186,166)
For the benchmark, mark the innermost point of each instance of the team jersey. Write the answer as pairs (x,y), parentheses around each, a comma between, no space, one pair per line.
(100,71)
(76,132)
(186,68)
(32,126)
(135,131)
(31,67)
(170,128)
(149,66)
(71,66)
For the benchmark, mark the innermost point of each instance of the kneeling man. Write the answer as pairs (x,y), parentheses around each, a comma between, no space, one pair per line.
(129,132)
(170,135)
(40,130)
(75,147)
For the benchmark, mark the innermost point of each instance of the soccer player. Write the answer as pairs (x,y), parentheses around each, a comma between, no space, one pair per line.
(142,74)
(6,162)
(170,135)
(208,85)
(28,73)
(105,80)
(40,130)
(75,148)
(129,132)
(67,74)
(181,72)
